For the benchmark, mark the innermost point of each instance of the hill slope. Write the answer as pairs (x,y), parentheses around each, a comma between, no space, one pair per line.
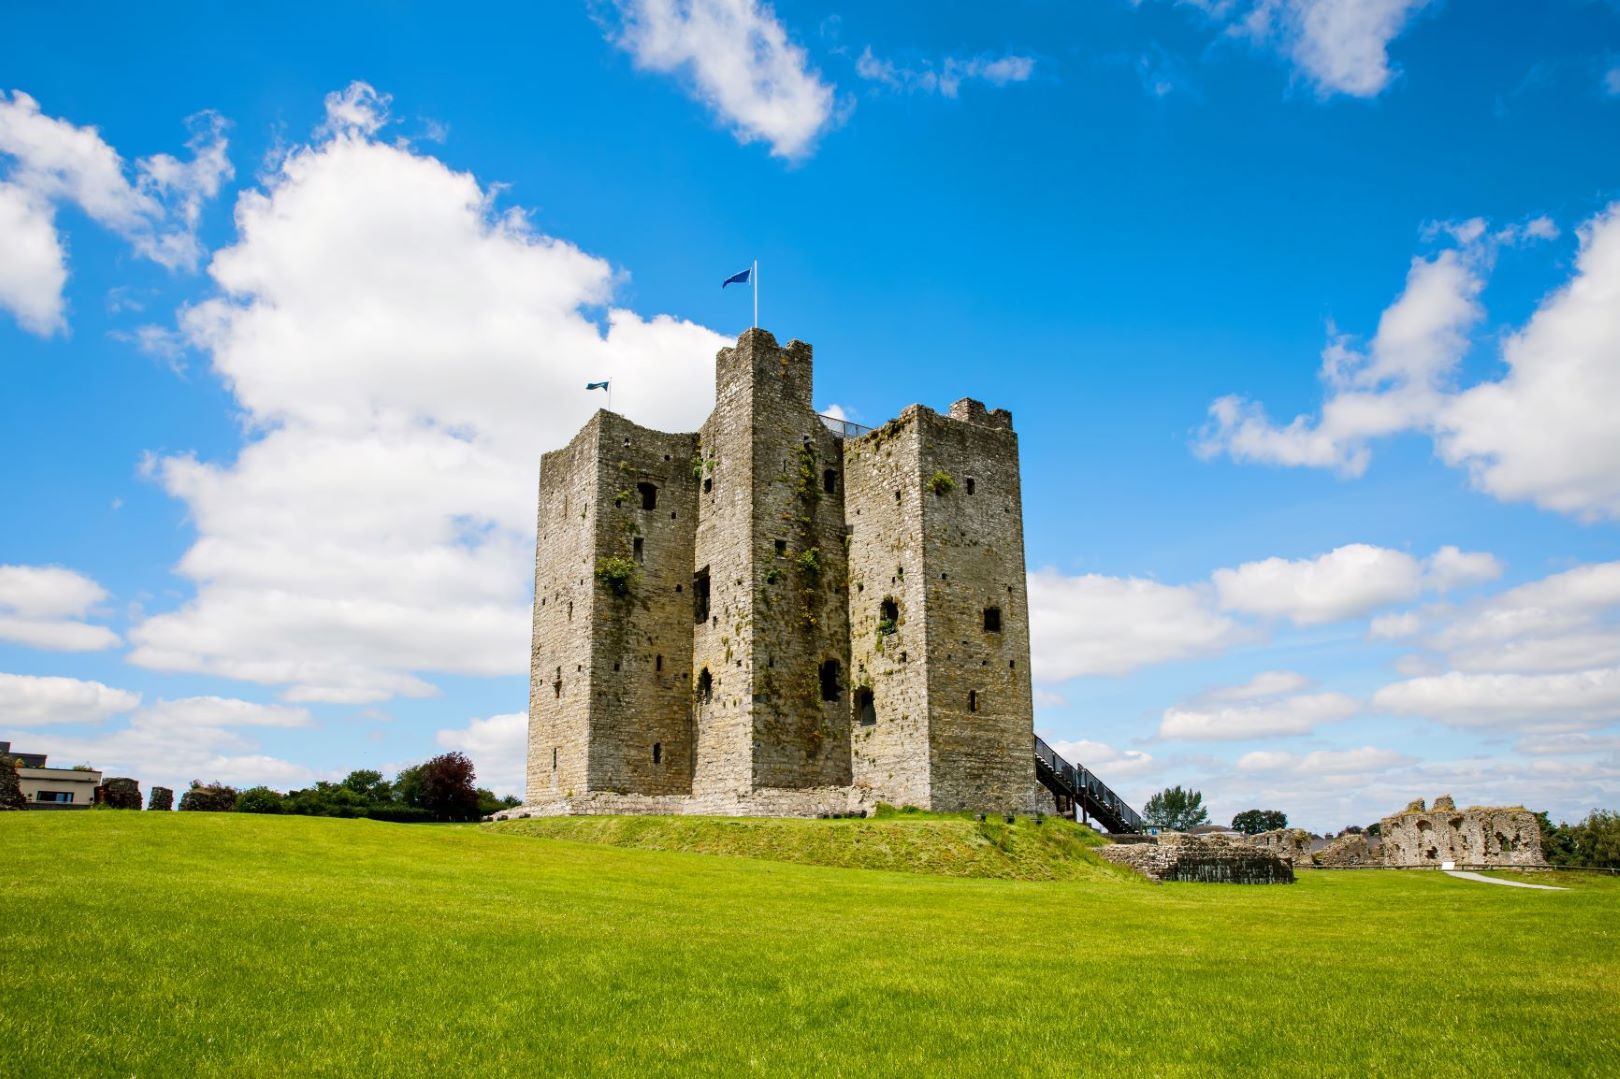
(950,846)
(159,944)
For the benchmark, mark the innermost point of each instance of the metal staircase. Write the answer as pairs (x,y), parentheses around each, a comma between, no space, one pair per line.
(1076,788)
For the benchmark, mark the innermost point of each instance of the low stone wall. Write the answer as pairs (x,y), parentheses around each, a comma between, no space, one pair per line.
(1476,836)
(1205,859)
(766,802)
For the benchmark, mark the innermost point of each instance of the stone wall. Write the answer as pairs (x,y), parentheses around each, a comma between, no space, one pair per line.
(889,642)
(1202,859)
(1348,852)
(162,800)
(1477,836)
(979,694)
(1290,844)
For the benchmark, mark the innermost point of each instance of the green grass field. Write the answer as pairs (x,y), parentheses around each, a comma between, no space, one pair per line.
(172,944)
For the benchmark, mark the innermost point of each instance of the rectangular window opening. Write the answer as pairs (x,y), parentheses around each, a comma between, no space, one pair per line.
(649,495)
(638,549)
(700,596)
(992,619)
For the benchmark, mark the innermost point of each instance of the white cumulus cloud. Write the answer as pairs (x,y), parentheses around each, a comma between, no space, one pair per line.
(1339,46)
(1346,582)
(403,352)
(1207,720)
(1542,433)
(497,746)
(45,607)
(1093,624)
(48,160)
(736,57)
(28,700)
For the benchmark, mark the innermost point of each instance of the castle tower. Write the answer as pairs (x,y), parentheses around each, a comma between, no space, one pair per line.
(767,617)
(770,559)
(939,612)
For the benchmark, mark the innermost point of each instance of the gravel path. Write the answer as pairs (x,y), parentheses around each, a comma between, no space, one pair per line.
(1462,874)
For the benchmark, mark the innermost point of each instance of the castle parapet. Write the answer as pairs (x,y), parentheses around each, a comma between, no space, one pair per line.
(969,410)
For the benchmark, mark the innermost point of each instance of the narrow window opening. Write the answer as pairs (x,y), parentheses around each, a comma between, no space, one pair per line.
(677,590)
(649,495)
(570,610)
(865,707)
(897,495)
(708,484)
(705,686)
(992,619)
(700,596)
(658,663)
(973,700)
(829,481)
(830,688)
(781,548)
(638,549)
(658,753)
(970,485)
(553,758)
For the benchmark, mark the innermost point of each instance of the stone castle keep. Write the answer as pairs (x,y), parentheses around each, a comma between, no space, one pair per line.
(773,617)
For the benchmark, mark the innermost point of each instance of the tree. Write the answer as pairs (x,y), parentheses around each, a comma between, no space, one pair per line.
(369,785)
(259,800)
(443,786)
(1176,809)
(208,798)
(1255,821)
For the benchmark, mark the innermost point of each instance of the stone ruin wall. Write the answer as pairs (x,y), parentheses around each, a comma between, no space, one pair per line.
(11,796)
(1478,836)
(1201,859)
(1291,844)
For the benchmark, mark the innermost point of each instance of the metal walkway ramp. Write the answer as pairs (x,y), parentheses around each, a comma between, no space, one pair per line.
(1075,788)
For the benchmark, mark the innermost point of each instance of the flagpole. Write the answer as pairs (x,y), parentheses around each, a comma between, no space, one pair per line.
(755,276)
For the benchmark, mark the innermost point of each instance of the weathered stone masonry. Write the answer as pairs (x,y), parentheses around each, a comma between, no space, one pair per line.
(766,617)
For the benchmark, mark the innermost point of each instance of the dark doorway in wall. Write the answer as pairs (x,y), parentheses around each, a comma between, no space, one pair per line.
(992,619)
(831,690)
(700,596)
(638,549)
(649,495)
(829,481)
(888,615)
(865,707)
(705,686)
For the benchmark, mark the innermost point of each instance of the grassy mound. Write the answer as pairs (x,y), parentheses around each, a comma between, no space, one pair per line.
(225,944)
(944,845)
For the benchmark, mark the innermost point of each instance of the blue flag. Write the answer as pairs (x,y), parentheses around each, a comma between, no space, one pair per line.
(596,385)
(737,278)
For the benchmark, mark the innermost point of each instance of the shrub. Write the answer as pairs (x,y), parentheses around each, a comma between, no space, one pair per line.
(941,483)
(208,798)
(162,800)
(396,814)
(618,573)
(260,800)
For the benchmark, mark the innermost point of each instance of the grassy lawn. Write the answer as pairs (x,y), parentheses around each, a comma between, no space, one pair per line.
(169,944)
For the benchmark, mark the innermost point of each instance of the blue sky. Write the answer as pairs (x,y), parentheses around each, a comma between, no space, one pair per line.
(289,308)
